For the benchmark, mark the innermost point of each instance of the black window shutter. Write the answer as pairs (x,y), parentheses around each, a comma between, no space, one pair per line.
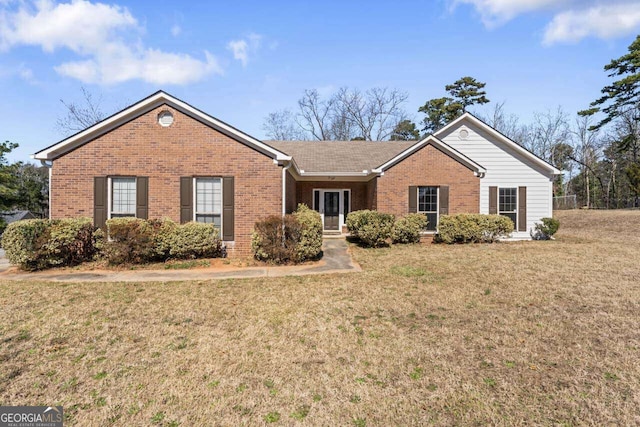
(142,197)
(493,200)
(228,209)
(444,200)
(522,208)
(100,201)
(186,199)
(413,199)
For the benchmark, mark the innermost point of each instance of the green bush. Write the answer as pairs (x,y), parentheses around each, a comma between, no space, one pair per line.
(3,225)
(473,228)
(35,244)
(275,239)
(372,228)
(546,229)
(193,240)
(310,244)
(408,228)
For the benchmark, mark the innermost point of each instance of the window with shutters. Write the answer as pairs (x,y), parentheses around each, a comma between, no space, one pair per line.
(208,200)
(508,203)
(428,205)
(123,197)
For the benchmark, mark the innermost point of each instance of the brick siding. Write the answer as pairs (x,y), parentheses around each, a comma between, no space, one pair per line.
(428,166)
(142,147)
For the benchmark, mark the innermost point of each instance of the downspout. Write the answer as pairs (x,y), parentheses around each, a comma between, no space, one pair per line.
(48,165)
(284,188)
(284,198)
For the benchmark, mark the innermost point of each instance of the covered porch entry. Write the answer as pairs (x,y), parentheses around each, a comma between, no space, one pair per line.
(333,200)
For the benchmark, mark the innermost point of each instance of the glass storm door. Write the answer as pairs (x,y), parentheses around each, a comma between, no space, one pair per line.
(331,210)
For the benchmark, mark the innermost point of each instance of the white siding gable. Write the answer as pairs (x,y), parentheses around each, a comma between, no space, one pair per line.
(505,168)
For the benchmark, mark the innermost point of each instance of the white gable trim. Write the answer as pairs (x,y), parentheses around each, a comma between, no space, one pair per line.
(511,144)
(479,170)
(157,99)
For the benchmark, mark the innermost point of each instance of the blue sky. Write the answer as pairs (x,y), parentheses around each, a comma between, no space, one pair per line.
(240,60)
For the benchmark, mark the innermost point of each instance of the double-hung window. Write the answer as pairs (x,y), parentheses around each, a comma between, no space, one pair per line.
(123,197)
(208,200)
(428,205)
(508,203)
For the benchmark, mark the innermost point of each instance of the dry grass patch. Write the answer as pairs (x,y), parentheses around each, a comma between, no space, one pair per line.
(541,333)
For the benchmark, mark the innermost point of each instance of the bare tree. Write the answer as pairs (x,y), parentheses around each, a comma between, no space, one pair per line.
(375,113)
(315,115)
(548,130)
(281,126)
(346,115)
(507,124)
(587,148)
(80,115)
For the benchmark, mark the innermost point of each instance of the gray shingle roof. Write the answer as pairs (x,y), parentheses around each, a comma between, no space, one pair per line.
(340,156)
(13,216)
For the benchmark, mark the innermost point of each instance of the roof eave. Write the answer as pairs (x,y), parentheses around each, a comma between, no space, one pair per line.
(142,107)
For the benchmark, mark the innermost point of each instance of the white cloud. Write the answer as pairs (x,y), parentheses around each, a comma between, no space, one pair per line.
(573,20)
(496,12)
(176,30)
(600,21)
(106,37)
(242,48)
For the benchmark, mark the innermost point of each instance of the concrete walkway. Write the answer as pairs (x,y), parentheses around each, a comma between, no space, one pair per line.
(335,259)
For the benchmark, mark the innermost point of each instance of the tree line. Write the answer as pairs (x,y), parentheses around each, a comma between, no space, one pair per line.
(597,148)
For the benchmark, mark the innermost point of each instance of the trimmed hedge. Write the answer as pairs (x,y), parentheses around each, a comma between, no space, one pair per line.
(372,228)
(135,240)
(408,228)
(35,244)
(546,229)
(473,228)
(310,244)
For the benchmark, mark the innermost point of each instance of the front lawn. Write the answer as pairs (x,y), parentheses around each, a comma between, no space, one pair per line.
(519,333)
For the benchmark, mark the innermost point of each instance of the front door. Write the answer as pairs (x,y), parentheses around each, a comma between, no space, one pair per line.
(331,210)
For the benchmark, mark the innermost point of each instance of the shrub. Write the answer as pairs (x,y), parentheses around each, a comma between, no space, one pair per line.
(67,242)
(3,225)
(192,240)
(276,238)
(310,244)
(131,241)
(546,230)
(35,244)
(473,228)
(408,228)
(372,228)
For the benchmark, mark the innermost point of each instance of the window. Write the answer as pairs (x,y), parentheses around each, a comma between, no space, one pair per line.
(123,197)
(508,203)
(208,201)
(347,206)
(316,200)
(428,205)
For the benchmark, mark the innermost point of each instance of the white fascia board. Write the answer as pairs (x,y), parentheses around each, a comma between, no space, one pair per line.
(142,107)
(512,144)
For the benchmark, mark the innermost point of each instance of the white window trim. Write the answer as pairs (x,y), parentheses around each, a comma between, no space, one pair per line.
(195,200)
(517,211)
(426,212)
(110,195)
(342,220)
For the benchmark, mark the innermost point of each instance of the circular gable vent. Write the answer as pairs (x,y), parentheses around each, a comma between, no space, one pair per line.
(165,118)
(464,134)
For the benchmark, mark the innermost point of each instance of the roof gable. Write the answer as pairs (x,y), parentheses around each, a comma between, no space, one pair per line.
(447,149)
(514,147)
(141,107)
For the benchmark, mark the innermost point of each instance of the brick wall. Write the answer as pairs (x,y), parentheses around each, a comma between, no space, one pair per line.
(142,147)
(428,166)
